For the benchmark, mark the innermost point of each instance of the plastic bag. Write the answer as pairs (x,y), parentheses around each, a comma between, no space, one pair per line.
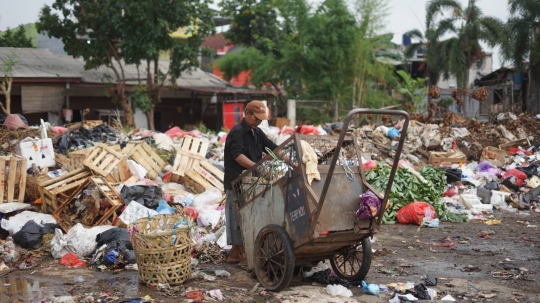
(309,130)
(393,133)
(165,209)
(135,211)
(194,133)
(415,212)
(30,235)
(338,290)
(115,234)
(71,260)
(370,204)
(192,212)
(520,176)
(450,192)
(371,289)
(15,223)
(486,166)
(210,197)
(207,217)
(175,132)
(148,196)
(369,165)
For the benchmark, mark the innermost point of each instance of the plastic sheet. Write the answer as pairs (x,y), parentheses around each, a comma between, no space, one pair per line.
(164,208)
(338,290)
(210,197)
(175,132)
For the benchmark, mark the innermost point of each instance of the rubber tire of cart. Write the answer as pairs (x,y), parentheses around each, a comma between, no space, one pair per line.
(364,267)
(286,278)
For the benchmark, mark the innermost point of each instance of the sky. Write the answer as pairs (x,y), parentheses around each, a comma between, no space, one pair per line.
(404,15)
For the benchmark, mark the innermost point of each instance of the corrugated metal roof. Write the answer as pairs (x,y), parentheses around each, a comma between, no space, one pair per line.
(37,63)
(41,63)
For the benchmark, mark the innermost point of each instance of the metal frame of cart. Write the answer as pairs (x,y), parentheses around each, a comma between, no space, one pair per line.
(285,222)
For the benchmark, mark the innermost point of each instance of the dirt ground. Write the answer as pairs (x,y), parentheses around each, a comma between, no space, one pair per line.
(486,263)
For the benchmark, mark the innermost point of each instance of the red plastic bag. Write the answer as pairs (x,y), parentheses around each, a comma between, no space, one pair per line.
(415,212)
(287,130)
(520,176)
(72,260)
(196,295)
(175,132)
(58,129)
(369,164)
(450,192)
(223,138)
(309,130)
(192,212)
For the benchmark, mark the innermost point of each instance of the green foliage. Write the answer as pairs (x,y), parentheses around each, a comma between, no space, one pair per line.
(140,98)
(15,38)
(203,129)
(413,91)
(407,188)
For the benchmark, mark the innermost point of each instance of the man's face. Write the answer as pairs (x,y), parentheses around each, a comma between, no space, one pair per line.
(251,120)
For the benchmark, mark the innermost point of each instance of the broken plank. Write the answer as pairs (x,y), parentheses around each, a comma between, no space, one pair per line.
(211,168)
(11,179)
(206,175)
(22,181)
(2,177)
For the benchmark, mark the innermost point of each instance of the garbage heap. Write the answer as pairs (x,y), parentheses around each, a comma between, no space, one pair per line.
(91,181)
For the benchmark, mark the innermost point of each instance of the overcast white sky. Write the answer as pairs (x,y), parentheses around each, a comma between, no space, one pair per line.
(404,15)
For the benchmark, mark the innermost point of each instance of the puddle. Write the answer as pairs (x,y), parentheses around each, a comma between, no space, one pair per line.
(21,290)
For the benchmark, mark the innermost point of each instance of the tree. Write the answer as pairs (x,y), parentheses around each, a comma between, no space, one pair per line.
(522,44)
(114,33)
(142,44)
(413,91)
(470,27)
(15,38)
(6,72)
(371,77)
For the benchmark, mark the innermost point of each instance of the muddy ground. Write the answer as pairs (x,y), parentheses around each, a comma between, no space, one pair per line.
(486,263)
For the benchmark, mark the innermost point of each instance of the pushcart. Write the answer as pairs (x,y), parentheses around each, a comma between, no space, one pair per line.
(287,223)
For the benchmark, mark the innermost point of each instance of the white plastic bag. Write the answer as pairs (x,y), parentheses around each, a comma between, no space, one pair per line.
(338,290)
(137,169)
(211,197)
(134,211)
(207,217)
(78,240)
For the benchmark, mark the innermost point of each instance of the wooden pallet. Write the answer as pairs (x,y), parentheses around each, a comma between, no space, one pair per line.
(143,154)
(56,191)
(521,142)
(437,158)
(192,151)
(12,179)
(106,194)
(109,163)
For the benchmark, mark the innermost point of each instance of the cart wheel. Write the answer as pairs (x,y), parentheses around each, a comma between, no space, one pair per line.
(274,258)
(353,262)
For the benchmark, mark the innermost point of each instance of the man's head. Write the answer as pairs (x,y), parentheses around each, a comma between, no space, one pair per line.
(255,113)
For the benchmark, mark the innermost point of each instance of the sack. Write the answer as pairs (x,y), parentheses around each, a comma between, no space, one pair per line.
(370,204)
(78,240)
(415,213)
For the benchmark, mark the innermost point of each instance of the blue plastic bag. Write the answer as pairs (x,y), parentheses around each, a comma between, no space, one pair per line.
(393,133)
(371,289)
(164,208)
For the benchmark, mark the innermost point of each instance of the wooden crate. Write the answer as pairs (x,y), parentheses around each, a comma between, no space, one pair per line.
(56,191)
(521,142)
(143,154)
(12,179)
(192,151)
(437,158)
(210,175)
(106,194)
(109,163)
(494,155)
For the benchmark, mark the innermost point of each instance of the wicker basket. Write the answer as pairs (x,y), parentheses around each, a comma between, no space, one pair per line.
(162,256)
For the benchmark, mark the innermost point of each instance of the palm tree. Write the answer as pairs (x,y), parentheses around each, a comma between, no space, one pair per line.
(470,27)
(522,43)
(431,40)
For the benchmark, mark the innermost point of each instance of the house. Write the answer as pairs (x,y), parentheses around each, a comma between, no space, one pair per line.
(220,46)
(507,91)
(44,84)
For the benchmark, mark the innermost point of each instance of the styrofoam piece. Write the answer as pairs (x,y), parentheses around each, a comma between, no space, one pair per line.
(470,201)
(39,152)
(533,182)
(484,208)
(7,208)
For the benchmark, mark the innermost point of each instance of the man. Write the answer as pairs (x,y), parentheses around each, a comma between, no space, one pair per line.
(244,147)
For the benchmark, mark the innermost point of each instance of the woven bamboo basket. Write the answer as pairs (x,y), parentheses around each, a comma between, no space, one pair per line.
(162,249)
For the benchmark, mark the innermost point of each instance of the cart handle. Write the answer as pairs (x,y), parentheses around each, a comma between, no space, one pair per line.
(338,149)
